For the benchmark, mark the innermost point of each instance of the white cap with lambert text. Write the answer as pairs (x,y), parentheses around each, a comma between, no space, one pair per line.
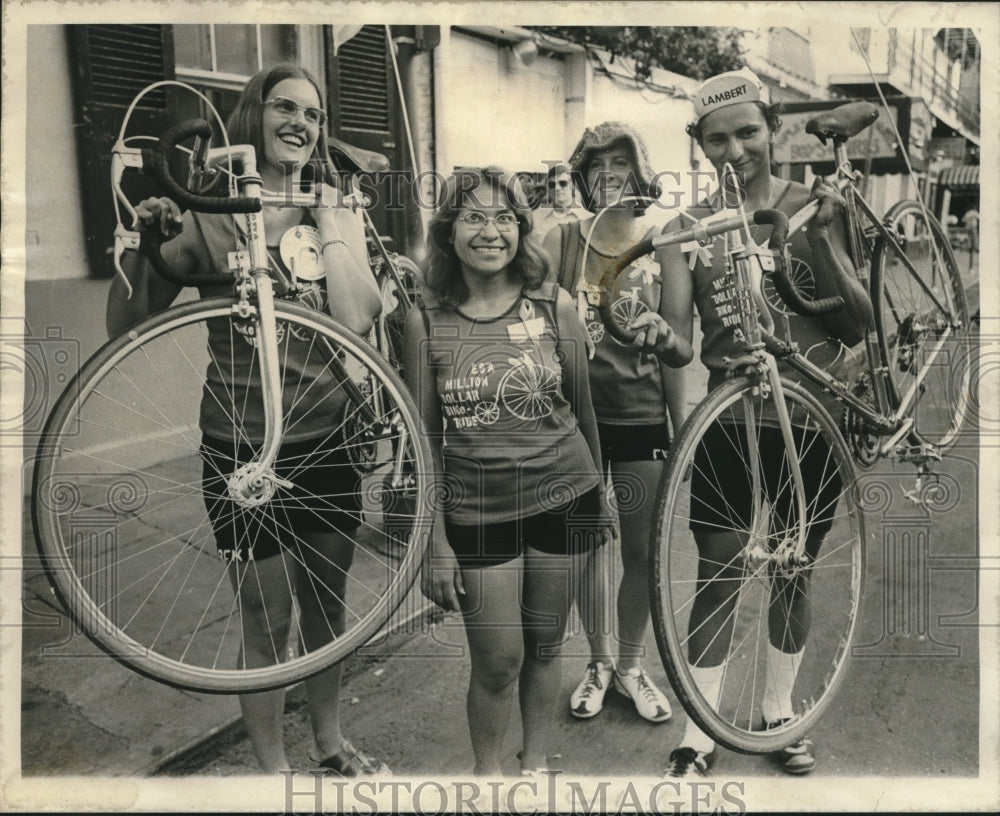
(729,88)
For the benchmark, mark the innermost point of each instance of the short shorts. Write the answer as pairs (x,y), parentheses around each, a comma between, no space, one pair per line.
(326,495)
(569,529)
(721,488)
(634,443)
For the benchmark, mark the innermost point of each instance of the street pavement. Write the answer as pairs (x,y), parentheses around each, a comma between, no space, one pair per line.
(910,706)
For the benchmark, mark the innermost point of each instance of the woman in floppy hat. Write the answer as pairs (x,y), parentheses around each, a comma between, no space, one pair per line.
(735,125)
(633,394)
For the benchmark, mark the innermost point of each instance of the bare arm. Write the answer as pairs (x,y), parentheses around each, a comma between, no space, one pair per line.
(150,292)
(834,270)
(350,285)
(552,244)
(667,332)
(576,379)
(441,578)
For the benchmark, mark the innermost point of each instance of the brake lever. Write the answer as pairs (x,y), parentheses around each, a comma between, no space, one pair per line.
(122,158)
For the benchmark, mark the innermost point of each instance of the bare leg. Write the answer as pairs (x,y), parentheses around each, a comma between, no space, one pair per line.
(720,574)
(490,608)
(265,596)
(320,591)
(547,583)
(593,599)
(636,519)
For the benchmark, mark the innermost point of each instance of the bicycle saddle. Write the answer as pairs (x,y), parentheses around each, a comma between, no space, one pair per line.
(351,159)
(843,122)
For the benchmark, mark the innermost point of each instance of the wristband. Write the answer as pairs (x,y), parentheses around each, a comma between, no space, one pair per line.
(325,244)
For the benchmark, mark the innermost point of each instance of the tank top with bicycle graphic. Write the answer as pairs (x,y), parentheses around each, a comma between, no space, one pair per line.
(626,387)
(509,429)
(313,403)
(714,296)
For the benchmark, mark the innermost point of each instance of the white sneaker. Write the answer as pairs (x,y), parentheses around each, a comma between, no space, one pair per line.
(588,698)
(649,700)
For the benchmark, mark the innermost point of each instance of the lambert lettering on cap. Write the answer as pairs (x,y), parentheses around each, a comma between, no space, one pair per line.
(722,97)
(729,89)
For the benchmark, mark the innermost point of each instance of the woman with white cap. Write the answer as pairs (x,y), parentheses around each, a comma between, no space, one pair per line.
(734,125)
(633,395)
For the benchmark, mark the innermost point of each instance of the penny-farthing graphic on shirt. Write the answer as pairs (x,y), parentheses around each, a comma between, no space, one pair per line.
(626,308)
(595,328)
(802,276)
(527,389)
(487,412)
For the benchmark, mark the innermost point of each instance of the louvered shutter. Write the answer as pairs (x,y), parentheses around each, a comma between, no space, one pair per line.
(112,63)
(364,105)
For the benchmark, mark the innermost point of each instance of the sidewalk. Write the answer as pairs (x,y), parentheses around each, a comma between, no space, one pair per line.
(81,711)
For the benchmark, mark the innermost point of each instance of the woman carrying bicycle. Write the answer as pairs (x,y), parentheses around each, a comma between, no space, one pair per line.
(634,394)
(496,360)
(734,126)
(271,557)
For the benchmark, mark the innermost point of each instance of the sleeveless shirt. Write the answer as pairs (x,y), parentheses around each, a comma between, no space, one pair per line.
(312,402)
(714,297)
(512,446)
(626,386)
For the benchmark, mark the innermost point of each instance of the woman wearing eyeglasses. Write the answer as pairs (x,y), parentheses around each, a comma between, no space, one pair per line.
(634,394)
(280,113)
(496,360)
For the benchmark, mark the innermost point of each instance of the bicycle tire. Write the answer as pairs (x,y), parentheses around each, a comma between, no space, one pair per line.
(909,324)
(120,460)
(836,575)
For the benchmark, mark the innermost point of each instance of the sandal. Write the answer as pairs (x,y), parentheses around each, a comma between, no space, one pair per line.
(349,761)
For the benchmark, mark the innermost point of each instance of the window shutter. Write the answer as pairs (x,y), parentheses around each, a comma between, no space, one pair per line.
(364,78)
(112,63)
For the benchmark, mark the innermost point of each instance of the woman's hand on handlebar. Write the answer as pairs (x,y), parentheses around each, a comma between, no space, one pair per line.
(163,213)
(654,333)
(831,203)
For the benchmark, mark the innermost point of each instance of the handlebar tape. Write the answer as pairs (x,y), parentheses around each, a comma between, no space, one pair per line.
(155,162)
(616,329)
(149,245)
(782,280)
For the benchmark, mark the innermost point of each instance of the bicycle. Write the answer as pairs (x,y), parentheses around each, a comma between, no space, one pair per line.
(118,490)
(909,405)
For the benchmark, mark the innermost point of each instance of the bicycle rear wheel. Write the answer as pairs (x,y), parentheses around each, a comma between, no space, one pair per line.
(922,321)
(126,474)
(725,599)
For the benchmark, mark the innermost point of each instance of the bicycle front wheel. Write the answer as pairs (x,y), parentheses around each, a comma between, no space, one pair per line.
(923,326)
(180,556)
(769,633)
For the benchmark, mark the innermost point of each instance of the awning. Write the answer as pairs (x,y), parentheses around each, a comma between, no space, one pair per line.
(963,177)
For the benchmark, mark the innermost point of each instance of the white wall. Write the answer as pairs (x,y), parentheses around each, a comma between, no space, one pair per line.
(491,109)
(54,234)
(660,119)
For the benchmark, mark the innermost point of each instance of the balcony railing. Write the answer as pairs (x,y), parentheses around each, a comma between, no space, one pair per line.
(924,78)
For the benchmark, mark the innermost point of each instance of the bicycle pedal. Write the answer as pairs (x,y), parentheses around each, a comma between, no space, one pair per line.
(918,454)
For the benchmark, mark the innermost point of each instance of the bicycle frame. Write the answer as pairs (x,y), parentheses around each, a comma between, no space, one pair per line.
(254,284)
(888,416)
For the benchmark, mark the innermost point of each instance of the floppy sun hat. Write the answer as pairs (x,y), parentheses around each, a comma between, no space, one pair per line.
(602,137)
(730,88)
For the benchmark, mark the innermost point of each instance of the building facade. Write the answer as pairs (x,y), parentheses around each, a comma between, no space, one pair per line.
(434,98)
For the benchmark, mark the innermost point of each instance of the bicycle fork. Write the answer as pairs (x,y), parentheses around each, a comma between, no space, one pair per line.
(790,553)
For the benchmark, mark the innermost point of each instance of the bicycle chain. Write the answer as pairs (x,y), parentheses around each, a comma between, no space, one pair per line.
(864,444)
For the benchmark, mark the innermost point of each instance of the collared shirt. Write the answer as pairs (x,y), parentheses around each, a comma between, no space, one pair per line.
(547,218)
